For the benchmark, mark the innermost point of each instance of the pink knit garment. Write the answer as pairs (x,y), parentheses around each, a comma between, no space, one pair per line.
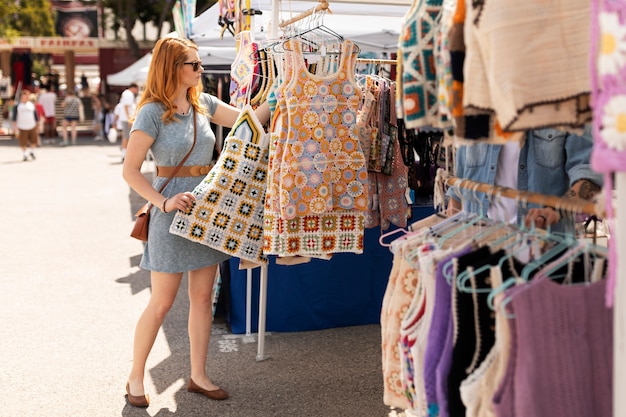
(608,85)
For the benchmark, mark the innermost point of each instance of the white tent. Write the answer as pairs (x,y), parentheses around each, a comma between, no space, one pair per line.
(374,27)
(135,73)
(216,55)
(138,71)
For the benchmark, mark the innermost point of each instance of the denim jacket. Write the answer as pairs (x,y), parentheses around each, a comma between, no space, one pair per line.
(550,162)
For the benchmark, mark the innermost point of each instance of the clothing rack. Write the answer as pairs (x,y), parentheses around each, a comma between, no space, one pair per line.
(573,205)
(322,6)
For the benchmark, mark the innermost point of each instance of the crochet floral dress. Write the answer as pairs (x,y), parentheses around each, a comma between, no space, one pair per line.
(319,178)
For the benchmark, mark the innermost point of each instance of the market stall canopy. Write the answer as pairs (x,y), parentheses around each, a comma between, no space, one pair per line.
(134,73)
(374,27)
(212,57)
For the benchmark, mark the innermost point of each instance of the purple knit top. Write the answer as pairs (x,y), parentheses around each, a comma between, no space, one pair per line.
(440,324)
(561,359)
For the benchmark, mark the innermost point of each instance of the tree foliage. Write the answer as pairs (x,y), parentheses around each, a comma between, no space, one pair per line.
(158,12)
(26,18)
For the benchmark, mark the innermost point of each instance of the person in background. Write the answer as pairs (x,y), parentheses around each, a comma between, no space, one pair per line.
(96,106)
(106,108)
(109,122)
(7,111)
(40,116)
(48,99)
(127,100)
(171,108)
(25,125)
(551,162)
(84,83)
(71,113)
(117,121)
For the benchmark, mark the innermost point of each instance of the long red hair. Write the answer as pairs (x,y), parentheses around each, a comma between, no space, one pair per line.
(168,57)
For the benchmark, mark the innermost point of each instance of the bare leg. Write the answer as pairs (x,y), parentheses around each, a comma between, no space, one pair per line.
(24,146)
(200,321)
(64,126)
(74,132)
(164,289)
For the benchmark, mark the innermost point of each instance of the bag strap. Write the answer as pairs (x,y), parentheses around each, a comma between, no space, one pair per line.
(173,174)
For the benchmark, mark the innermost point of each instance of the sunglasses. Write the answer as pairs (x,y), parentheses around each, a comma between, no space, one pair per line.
(194,64)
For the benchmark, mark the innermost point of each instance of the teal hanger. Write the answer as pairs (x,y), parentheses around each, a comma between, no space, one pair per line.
(505,238)
(431,233)
(590,251)
(495,225)
(463,277)
(524,237)
(452,220)
(448,269)
(564,241)
(595,250)
(509,283)
(470,221)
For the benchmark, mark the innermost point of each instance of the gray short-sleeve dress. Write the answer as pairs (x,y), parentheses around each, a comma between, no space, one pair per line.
(165,252)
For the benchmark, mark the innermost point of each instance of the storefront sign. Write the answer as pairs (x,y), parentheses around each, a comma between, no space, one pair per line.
(50,44)
(8,44)
(66,43)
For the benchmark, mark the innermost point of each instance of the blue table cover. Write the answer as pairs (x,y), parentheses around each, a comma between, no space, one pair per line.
(344,291)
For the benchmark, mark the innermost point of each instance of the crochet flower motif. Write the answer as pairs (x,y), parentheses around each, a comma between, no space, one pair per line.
(614,123)
(612,54)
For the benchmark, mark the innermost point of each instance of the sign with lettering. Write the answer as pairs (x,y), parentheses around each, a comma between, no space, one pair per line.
(66,43)
(15,43)
(49,44)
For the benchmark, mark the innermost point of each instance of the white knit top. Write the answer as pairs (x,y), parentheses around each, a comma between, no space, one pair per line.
(534,57)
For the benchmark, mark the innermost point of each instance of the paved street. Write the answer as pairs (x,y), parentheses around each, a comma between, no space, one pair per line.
(71,292)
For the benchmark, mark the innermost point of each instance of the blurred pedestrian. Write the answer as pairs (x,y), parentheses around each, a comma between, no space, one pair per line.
(117,121)
(7,111)
(171,113)
(40,115)
(84,83)
(106,108)
(71,114)
(127,100)
(48,99)
(96,106)
(25,124)
(109,123)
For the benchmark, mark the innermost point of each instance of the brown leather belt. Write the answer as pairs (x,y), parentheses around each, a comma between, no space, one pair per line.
(184,171)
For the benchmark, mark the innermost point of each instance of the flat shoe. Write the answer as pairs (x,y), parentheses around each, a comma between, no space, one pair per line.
(137,400)
(216,394)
